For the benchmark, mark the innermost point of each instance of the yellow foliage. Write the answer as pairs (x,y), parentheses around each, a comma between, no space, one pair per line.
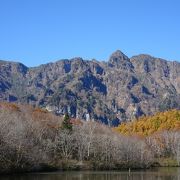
(169,120)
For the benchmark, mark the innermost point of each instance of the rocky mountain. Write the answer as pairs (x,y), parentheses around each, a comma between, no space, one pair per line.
(117,90)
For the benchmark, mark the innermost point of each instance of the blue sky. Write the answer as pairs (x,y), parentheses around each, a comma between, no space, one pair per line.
(39,31)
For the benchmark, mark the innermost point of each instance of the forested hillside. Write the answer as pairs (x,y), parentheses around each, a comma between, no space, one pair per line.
(161,133)
(169,120)
(113,91)
(32,139)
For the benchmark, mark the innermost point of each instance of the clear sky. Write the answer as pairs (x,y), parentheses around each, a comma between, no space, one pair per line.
(39,31)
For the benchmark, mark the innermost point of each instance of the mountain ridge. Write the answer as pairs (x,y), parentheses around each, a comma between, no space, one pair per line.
(85,59)
(119,89)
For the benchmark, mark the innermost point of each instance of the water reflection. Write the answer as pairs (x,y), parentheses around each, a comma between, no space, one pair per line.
(155,174)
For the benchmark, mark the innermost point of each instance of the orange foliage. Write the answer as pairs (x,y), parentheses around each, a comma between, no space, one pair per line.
(9,106)
(144,126)
(76,121)
(39,115)
(39,110)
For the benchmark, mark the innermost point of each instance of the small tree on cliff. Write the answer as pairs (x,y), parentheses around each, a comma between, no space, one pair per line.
(66,124)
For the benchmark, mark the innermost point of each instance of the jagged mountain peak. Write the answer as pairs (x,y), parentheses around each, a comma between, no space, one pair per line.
(117,57)
(143,56)
(119,60)
(15,67)
(113,91)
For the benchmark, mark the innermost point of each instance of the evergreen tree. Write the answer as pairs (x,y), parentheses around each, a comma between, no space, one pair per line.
(66,124)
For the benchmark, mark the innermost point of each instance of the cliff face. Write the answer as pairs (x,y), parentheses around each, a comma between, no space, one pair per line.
(119,89)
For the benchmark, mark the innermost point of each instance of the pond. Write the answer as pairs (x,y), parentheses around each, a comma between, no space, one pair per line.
(152,174)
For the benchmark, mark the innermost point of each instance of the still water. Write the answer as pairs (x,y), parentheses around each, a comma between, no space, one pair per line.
(153,174)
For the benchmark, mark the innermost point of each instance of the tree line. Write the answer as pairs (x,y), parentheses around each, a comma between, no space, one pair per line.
(33,140)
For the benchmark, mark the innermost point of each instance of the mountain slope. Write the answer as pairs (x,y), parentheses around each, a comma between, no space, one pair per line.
(119,89)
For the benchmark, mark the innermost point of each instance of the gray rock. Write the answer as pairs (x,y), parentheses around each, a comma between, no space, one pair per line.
(118,90)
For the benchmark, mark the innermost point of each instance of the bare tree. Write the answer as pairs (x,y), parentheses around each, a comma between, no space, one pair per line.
(65,143)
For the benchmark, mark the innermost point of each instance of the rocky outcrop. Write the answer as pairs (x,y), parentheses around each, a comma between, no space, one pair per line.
(117,90)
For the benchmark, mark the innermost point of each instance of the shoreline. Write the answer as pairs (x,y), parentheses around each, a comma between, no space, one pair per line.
(161,163)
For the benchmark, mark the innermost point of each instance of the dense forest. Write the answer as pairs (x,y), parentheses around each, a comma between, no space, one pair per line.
(32,139)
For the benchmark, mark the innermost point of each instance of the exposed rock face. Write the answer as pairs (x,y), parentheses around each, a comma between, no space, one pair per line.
(120,89)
